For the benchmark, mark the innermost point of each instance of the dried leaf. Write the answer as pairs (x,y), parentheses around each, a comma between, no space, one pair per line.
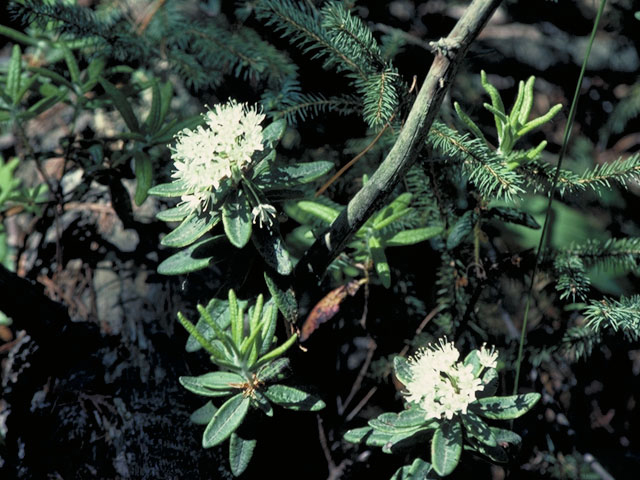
(326,308)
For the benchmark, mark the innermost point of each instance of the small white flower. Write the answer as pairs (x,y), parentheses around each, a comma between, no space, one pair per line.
(441,385)
(265,213)
(488,357)
(206,157)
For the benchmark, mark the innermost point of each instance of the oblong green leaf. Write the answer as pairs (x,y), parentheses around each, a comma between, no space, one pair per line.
(274,132)
(276,370)
(121,103)
(490,382)
(143,167)
(357,435)
(228,417)
(402,370)
(322,212)
(212,384)
(272,248)
(174,214)
(399,204)
(195,257)
(513,215)
(190,230)
(380,261)
(446,447)
(204,414)
(293,398)
(505,408)
(153,120)
(236,218)
(478,429)
(418,470)
(292,175)
(411,237)
(14,73)
(176,188)
(218,311)
(285,299)
(240,453)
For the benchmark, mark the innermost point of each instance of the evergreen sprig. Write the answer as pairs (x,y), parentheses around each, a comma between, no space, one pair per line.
(619,254)
(572,278)
(620,315)
(345,44)
(484,168)
(578,342)
(620,171)
(290,103)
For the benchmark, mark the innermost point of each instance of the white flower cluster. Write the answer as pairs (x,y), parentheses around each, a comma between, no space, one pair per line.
(441,385)
(204,157)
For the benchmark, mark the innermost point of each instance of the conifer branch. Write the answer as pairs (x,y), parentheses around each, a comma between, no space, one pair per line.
(411,141)
(484,168)
(620,315)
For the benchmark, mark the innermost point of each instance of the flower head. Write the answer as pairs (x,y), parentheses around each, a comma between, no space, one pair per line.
(265,213)
(205,158)
(488,357)
(441,385)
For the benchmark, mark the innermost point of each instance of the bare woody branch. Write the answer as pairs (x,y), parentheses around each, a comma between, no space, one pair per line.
(449,53)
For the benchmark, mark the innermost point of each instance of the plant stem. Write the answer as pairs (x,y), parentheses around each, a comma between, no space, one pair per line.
(545,227)
(411,141)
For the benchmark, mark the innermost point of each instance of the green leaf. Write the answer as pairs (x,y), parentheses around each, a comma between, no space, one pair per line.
(470,124)
(513,215)
(273,132)
(261,402)
(121,103)
(503,436)
(446,447)
(407,421)
(284,296)
(496,100)
(144,175)
(271,247)
(153,120)
(72,64)
(204,414)
(411,237)
(236,218)
(173,189)
(193,258)
(477,429)
(357,435)
(228,417)
(292,175)
(240,453)
(218,311)
(537,122)
(293,398)
(175,214)
(212,384)
(505,408)
(418,470)
(279,369)
(380,261)
(399,204)
(527,101)
(191,229)
(490,381)
(323,212)
(402,370)
(14,73)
